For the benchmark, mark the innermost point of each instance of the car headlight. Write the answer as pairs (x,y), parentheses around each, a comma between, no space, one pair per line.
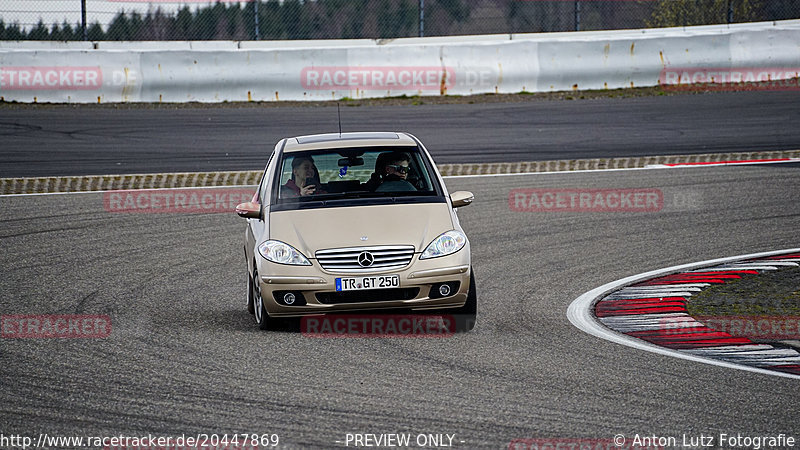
(282,253)
(446,244)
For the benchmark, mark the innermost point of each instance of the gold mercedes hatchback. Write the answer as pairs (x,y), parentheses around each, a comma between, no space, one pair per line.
(356,222)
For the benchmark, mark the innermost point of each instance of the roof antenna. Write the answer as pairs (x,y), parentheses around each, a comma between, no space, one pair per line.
(339,114)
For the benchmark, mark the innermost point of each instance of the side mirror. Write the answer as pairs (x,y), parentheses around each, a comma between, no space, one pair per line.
(249,210)
(461,198)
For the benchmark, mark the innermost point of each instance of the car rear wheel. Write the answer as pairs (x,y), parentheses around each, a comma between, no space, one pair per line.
(466,316)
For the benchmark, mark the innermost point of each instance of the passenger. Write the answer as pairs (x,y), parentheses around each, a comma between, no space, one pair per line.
(305,178)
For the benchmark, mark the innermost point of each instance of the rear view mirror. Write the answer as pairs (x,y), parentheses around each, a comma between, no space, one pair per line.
(249,210)
(351,162)
(461,198)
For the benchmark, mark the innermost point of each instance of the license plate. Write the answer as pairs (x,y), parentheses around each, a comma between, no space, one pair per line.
(362,283)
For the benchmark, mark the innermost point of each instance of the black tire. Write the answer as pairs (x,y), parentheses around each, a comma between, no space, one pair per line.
(250,299)
(262,317)
(260,313)
(466,316)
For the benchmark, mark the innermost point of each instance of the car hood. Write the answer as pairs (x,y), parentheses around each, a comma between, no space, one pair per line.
(310,230)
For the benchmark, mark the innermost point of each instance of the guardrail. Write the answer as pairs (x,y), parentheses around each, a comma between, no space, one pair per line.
(111,72)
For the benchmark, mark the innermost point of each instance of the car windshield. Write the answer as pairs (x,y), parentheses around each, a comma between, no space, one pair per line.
(354,173)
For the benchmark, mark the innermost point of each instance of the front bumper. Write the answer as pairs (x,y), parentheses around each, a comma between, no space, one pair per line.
(318,287)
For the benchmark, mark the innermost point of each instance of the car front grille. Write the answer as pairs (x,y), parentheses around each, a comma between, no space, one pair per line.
(373,295)
(387,257)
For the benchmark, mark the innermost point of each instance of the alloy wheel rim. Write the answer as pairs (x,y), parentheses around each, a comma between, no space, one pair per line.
(257,299)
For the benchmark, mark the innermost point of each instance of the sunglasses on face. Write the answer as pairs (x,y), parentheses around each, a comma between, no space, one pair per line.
(400,169)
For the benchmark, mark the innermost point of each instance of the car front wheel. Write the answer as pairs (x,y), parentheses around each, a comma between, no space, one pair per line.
(262,317)
(466,316)
(250,297)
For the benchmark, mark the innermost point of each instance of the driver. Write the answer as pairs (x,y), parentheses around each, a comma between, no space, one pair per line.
(396,173)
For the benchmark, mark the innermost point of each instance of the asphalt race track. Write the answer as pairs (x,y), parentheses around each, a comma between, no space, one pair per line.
(185,357)
(52,141)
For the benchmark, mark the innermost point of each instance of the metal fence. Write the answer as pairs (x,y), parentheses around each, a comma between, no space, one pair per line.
(133,20)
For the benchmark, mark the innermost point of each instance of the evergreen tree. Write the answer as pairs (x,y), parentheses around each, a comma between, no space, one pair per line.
(676,13)
(457,9)
(297,25)
(271,20)
(397,19)
(184,24)
(66,33)
(95,32)
(38,33)
(14,33)
(119,29)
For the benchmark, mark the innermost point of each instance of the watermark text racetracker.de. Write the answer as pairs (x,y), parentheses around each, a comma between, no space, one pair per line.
(155,201)
(586,200)
(200,441)
(730,79)
(776,327)
(394,78)
(50,77)
(378,326)
(59,326)
(64,78)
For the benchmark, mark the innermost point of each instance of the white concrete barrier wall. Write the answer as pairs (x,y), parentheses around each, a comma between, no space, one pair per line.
(325,70)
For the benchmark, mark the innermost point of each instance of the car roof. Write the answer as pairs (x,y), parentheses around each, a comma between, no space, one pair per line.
(343,140)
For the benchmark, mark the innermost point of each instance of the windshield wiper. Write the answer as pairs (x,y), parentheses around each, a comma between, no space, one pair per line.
(351,194)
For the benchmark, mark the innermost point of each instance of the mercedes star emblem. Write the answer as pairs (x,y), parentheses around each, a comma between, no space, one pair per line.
(365,259)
